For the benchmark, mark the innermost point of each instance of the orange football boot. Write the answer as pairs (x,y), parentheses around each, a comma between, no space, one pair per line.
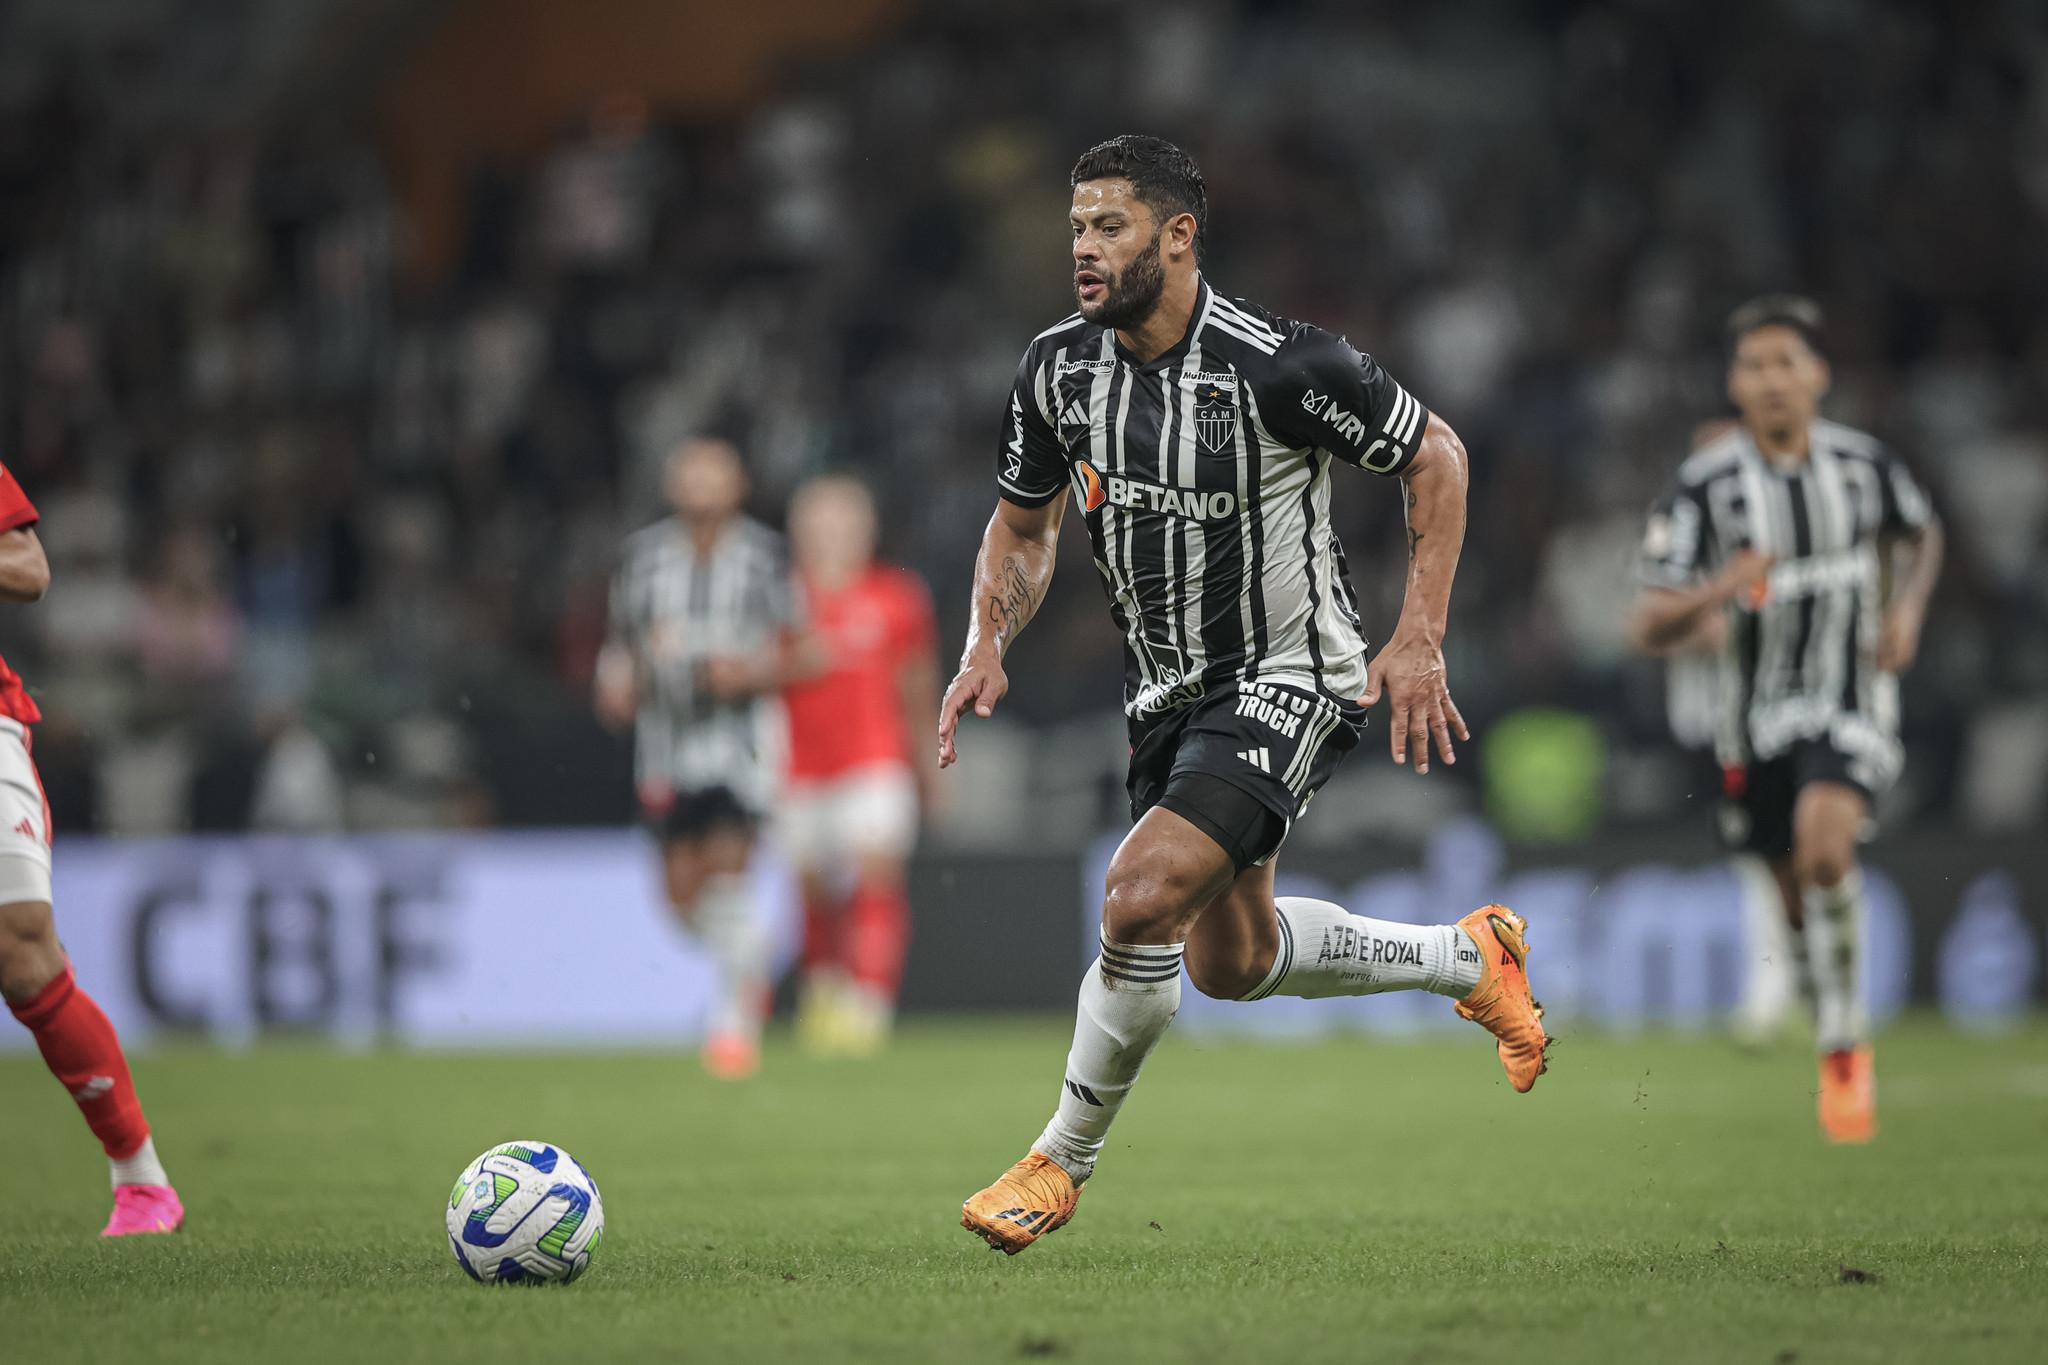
(731,1056)
(1501,1003)
(1027,1201)
(1848,1095)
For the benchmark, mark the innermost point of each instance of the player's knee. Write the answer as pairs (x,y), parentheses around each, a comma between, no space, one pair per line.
(877,871)
(1147,898)
(30,955)
(1224,976)
(1825,863)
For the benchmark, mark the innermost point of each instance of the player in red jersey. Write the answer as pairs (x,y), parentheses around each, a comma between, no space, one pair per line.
(856,782)
(76,1040)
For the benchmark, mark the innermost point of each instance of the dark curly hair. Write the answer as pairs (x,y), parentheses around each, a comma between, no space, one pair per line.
(1796,311)
(1165,178)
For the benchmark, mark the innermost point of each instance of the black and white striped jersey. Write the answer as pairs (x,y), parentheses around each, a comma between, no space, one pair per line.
(1204,476)
(1801,660)
(674,609)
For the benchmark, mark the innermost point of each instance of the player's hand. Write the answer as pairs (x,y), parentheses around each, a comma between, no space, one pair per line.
(810,656)
(1410,672)
(729,678)
(1898,640)
(1746,577)
(980,683)
(1709,633)
(613,690)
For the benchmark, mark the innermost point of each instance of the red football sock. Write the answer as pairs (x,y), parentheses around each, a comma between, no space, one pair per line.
(823,924)
(79,1047)
(878,936)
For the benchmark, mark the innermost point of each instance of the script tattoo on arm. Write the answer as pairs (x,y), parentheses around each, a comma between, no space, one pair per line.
(1414,536)
(1014,600)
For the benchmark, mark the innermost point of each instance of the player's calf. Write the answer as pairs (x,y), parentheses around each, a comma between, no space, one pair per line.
(30,955)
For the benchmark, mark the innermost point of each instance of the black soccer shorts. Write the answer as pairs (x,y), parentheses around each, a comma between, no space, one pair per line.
(692,814)
(1758,798)
(1242,763)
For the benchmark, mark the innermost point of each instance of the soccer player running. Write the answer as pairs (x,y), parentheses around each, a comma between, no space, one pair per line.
(1196,434)
(77,1041)
(1783,526)
(849,818)
(1693,669)
(702,636)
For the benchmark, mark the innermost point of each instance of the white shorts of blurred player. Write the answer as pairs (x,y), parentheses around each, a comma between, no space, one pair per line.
(825,826)
(24,821)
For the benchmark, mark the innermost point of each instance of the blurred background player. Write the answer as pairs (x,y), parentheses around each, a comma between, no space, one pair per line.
(77,1042)
(1693,706)
(1784,526)
(701,638)
(857,782)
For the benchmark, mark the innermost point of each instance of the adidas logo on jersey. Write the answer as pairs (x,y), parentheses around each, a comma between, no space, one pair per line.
(1258,758)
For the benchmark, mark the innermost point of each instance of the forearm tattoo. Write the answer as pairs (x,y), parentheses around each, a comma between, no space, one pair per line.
(1414,536)
(1014,599)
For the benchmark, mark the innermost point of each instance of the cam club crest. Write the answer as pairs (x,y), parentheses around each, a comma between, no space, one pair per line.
(1215,419)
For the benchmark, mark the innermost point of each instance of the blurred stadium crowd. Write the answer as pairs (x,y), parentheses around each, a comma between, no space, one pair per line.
(331,530)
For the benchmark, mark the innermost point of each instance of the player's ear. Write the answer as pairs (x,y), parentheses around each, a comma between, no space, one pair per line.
(1824,376)
(1180,233)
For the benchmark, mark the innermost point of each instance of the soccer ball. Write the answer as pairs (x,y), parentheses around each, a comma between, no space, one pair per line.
(525,1213)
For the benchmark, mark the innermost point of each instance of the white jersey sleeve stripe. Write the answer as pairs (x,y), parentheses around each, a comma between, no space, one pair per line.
(1414,420)
(1396,413)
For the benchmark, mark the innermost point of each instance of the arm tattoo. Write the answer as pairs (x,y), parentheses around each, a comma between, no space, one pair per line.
(1012,604)
(1414,536)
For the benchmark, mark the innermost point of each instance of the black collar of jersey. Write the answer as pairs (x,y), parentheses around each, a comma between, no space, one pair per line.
(1172,355)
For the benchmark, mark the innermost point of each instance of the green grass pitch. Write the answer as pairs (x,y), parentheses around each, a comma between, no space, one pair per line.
(1655,1199)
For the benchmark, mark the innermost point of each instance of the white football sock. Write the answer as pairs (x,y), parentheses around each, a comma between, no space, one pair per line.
(1325,950)
(1834,938)
(731,932)
(141,1167)
(1128,997)
(1770,976)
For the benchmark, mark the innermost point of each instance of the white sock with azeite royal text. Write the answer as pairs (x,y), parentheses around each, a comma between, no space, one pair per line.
(1128,998)
(1325,950)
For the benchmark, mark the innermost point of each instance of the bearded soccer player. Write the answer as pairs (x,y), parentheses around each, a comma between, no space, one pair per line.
(849,818)
(77,1041)
(1783,526)
(1197,435)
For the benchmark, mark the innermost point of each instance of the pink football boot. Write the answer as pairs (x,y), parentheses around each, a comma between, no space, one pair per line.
(144,1208)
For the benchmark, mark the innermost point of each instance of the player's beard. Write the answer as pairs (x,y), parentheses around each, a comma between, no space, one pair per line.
(1133,293)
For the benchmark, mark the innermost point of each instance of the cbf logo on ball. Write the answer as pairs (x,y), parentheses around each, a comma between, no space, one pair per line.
(1093,491)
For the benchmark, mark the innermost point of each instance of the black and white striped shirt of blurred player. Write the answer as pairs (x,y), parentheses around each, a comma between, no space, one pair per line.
(703,635)
(1195,435)
(1784,526)
(701,627)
